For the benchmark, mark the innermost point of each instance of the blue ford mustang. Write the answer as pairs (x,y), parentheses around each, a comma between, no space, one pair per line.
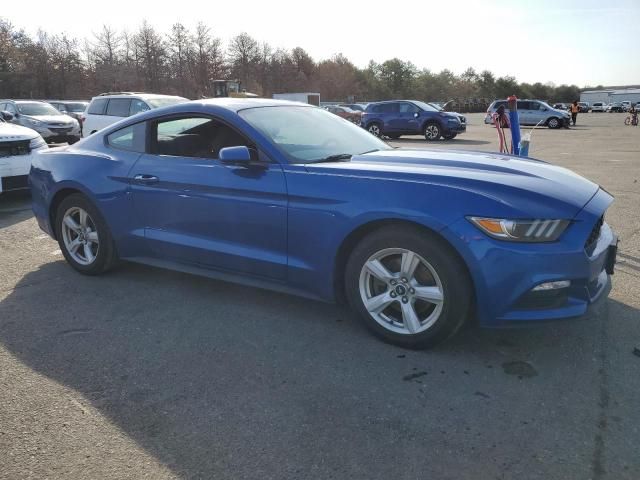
(290,197)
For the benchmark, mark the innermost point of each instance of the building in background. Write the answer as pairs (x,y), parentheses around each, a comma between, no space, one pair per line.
(611,95)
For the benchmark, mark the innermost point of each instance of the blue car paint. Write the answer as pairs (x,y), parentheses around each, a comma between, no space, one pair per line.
(282,225)
(406,123)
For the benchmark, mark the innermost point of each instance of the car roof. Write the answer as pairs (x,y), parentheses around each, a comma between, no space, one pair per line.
(134,95)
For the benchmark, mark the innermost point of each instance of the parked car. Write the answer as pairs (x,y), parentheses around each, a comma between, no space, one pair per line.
(584,107)
(410,117)
(52,125)
(346,113)
(626,105)
(289,197)
(615,107)
(533,112)
(598,107)
(560,106)
(73,108)
(359,107)
(17,144)
(108,108)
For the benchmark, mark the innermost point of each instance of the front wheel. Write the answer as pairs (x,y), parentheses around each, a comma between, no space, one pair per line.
(432,132)
(408,287)
(553,122)
(627,121)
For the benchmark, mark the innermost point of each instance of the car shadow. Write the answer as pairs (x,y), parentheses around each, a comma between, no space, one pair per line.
(211,377)
(15,207)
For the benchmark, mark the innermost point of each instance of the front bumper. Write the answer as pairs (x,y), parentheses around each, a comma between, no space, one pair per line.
(59,134)
(457,128)
(14,171)
(506,273)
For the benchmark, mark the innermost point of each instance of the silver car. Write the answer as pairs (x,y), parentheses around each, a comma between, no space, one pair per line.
(533,112)
(52,125)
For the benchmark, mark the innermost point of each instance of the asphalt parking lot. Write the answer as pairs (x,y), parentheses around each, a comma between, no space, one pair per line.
(145,373)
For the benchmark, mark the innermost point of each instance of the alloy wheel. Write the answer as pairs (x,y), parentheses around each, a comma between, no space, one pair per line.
(401,291)
(80,236)
(374,130)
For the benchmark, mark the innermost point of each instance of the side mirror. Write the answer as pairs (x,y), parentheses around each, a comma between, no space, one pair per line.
(240,155)
(416,115)
(7,116)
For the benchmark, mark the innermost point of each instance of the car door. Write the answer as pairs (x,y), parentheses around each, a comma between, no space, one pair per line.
(196,209)
(391,117)
(408,117)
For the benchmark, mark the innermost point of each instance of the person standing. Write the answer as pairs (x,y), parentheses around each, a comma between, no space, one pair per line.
(574,112)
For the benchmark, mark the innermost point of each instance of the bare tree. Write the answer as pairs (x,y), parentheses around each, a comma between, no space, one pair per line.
(244,54)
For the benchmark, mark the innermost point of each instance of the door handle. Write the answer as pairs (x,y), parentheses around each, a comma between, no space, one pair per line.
(148,179)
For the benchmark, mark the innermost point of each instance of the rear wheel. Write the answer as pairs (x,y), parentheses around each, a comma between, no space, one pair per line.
(408,287)
(83,236)
(374,129)
(432,132)
(627,121)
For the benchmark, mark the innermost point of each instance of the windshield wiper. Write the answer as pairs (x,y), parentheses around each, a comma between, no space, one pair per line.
(340,157)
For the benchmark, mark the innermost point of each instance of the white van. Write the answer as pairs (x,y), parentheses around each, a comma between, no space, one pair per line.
(107,108)
(17,145)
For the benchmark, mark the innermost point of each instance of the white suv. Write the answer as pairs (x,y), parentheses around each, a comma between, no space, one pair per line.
(108,108)
(599,107)
(17,145)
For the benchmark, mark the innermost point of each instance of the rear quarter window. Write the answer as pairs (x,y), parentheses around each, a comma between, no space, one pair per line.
(98,107)
(131,138)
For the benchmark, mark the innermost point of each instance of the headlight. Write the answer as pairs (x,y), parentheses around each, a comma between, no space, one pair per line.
(538,230)
(37,143)
(34,122)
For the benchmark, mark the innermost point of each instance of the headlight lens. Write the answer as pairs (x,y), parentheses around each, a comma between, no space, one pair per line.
(537,230)
(37,143)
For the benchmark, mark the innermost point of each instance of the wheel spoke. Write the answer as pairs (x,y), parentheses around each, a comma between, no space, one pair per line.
(410,262)
(74,245)
(83,218)
(378,270)
(88,254)
(429,294)
(378,303)
(71,223)
(410,318)
(92,237)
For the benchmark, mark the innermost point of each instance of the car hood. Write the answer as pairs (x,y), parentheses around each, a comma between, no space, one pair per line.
(52,118)
(10,132)
(515,182)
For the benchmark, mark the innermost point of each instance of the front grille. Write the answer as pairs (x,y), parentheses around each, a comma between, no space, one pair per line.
(17,147)
(60,130)
(595,233)
(17,182)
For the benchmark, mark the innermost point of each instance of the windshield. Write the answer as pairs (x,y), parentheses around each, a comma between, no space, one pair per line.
(308,134)
(78,107)
(36,108)
(164,101)
(425,106)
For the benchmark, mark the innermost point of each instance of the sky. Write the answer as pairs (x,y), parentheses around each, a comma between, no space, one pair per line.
(582,42)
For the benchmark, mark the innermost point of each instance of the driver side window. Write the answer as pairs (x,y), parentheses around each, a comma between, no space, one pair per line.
(197,137)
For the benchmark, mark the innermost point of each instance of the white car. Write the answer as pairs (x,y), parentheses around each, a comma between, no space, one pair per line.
(17,145)
(108,108)
(599,107)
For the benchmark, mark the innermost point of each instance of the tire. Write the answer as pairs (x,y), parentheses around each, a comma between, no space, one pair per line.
(451,136)
(627,121)
(554,122)
(375,129)
(432,132)
(95,252)
(439,272)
